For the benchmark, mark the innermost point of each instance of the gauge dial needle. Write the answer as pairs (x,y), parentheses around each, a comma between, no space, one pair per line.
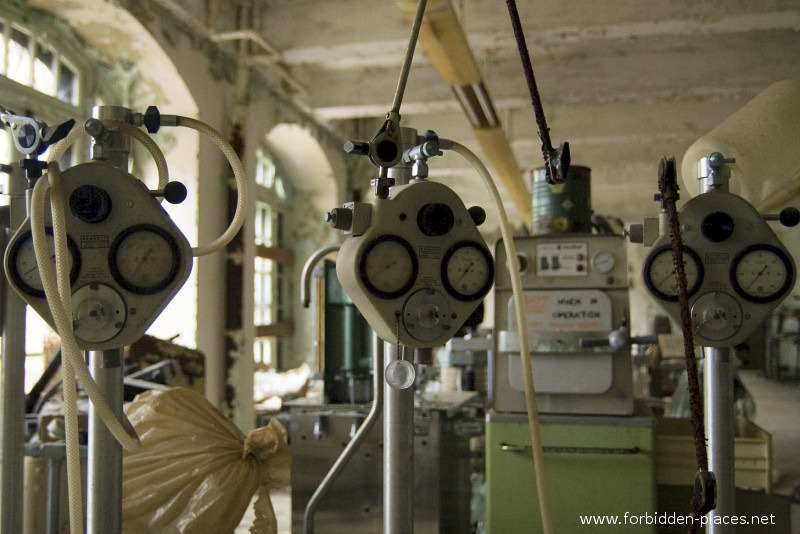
(757,276)
(36,266)
(670,275)
(467,270)
(142,260)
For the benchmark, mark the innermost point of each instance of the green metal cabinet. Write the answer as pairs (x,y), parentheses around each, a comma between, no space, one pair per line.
(595,466)
(347,346)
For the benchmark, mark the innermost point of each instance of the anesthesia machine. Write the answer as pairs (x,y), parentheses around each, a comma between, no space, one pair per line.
(732,273)
(93,252)
(730,269)
(416,266)
(91,249)
(576,308)
(414,263)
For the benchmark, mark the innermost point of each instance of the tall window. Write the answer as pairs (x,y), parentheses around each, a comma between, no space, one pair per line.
(274,258)
(51,86)
(30,61)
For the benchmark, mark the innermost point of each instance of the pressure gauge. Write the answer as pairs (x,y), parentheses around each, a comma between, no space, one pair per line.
(761,273)
(24,270)
(144,259)
(388,266)
(660,275)
(603,262)
(467,270)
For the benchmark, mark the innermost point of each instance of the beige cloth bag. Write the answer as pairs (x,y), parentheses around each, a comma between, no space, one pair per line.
(196,472)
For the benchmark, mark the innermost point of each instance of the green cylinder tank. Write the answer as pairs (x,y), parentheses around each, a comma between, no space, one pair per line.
(565,207)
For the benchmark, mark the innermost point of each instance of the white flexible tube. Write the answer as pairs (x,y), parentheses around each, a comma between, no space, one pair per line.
(150,145)
(158,157)
(58,292)
(68,374)
(163,175)
(241,185)
(42,253)
(60,301)
(522,327)
(58,150)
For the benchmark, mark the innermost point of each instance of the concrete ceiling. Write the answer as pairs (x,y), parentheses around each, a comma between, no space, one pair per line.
(622,81)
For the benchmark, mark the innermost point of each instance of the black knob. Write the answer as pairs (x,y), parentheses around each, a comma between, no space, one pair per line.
(90,204)
(175,192)
(54,134)
(789,217)
(435,219)
(478,215)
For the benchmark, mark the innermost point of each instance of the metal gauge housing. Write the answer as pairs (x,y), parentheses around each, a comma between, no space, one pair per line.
(388,266)
(660,275)
(24,269)
(144,259)
(761,273)
(467,270)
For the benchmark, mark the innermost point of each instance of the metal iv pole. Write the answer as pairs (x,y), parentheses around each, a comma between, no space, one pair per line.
(398,413)
(104,464)
(718,388)
(398,454)
(12,415)
(718,401)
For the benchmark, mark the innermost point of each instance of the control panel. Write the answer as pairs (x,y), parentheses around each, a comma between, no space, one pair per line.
(737,270)
(127,257)
(575,298)
(415,264)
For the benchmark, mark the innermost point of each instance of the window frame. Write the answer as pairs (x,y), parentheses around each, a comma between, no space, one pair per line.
(43,31)
(274,192)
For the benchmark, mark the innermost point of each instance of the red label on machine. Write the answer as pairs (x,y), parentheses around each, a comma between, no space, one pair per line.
(572,310)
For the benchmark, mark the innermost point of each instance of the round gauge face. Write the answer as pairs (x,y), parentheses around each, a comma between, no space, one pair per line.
(660,275)
(467,271)
(144,259)
(603,262)
(388,267)
(24,270)
(762,273)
